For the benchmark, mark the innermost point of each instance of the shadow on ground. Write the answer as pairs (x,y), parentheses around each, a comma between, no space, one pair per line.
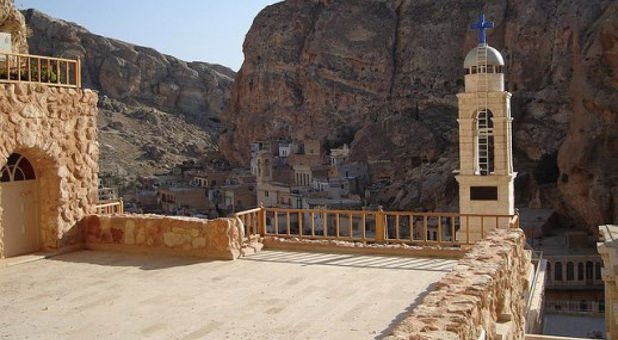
(358,261)
(118,259)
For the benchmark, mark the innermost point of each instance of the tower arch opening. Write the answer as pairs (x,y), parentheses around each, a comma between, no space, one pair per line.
(484,155)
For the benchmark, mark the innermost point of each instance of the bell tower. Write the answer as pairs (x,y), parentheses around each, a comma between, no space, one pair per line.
(485,174)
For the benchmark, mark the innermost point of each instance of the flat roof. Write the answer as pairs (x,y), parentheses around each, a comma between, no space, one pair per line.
(268,295)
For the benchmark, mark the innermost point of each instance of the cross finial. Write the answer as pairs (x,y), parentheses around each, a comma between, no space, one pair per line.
(481,26)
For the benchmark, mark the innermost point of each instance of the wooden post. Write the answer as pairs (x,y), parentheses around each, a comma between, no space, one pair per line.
(78,73)
(380,217)
(262,219)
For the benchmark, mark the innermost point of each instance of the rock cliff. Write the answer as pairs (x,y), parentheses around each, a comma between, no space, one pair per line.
(156,110)
(12,21)
(383,74)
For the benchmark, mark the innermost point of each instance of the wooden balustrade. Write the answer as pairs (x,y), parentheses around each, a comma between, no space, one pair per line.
(27,68)
(110,207)
(443,229)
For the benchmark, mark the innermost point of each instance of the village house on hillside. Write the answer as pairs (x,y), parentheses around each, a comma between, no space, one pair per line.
(297,174)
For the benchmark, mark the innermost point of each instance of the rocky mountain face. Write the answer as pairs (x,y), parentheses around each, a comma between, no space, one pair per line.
(155,110)
(12,21)
(383,74)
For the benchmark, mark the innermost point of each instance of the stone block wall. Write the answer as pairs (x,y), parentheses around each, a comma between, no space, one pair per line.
(485,292)
(215,239)
(55,129)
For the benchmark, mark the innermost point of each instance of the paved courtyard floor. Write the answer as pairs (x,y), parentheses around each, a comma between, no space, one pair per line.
(269,295)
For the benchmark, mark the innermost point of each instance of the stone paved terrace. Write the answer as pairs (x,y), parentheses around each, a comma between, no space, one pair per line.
(268,295)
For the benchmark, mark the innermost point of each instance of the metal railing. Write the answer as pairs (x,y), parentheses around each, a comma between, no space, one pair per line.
(592,308)
(27,68)
(110,207)
(539,266)
(413,228)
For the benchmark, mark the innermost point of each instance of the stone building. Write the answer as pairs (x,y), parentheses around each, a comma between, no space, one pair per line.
(48,151)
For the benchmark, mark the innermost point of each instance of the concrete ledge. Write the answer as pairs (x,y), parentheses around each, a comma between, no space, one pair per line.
(345,247)
(172,235)
(548,337)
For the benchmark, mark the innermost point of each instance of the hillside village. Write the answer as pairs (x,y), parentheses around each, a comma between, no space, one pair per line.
(283,174)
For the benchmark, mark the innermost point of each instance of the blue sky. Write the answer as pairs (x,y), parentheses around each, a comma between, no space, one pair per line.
(204,30)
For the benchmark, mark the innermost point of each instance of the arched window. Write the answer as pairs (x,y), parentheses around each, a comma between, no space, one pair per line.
(558,272)
(589,270)
(548,271)
(597,271)
(580,271)
(484,143)
(17,168)
(267,168)
(259,168)
(570,271)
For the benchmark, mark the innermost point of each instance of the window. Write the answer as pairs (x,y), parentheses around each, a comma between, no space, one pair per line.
(484,143)
(267,168)
(17,168)
(558,272)
(266,193)
(589,269)
(597,271)
(570,271)
(580,271)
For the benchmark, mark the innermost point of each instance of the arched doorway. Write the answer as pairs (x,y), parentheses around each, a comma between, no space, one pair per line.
(19,187)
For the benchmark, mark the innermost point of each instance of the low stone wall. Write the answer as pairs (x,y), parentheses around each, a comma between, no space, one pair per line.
(215,239)
(485,292)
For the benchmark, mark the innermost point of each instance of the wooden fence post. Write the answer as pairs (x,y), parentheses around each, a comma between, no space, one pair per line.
(380,217)
(262,220)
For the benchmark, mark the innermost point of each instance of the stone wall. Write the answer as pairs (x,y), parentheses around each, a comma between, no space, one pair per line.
(485,292)
(608,248)
(217,239)
(55,128)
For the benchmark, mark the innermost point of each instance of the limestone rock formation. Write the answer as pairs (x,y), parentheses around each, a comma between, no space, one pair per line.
(12,21)
(324,68)
(184,100)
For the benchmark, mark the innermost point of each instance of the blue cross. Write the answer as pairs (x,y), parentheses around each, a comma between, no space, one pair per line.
(481,26)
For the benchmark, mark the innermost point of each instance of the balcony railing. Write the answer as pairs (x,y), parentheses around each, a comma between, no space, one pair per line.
(592,308)
(413,228)
(26,68)
(110,207)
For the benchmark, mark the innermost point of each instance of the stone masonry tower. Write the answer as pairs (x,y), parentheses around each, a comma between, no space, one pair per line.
(485,174)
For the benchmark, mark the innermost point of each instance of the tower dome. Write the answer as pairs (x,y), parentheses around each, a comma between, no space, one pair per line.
(493,57)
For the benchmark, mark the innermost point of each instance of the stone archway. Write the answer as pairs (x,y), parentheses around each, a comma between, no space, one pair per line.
(29,202)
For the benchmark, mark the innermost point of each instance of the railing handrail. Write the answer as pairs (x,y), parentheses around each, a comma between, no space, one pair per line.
(110,207)
(392,213)
(39,56)
(51,71)
(539,266)
(373,226)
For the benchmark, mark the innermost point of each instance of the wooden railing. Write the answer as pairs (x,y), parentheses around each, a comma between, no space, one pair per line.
(444,229)
(26,68)
(110,207)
